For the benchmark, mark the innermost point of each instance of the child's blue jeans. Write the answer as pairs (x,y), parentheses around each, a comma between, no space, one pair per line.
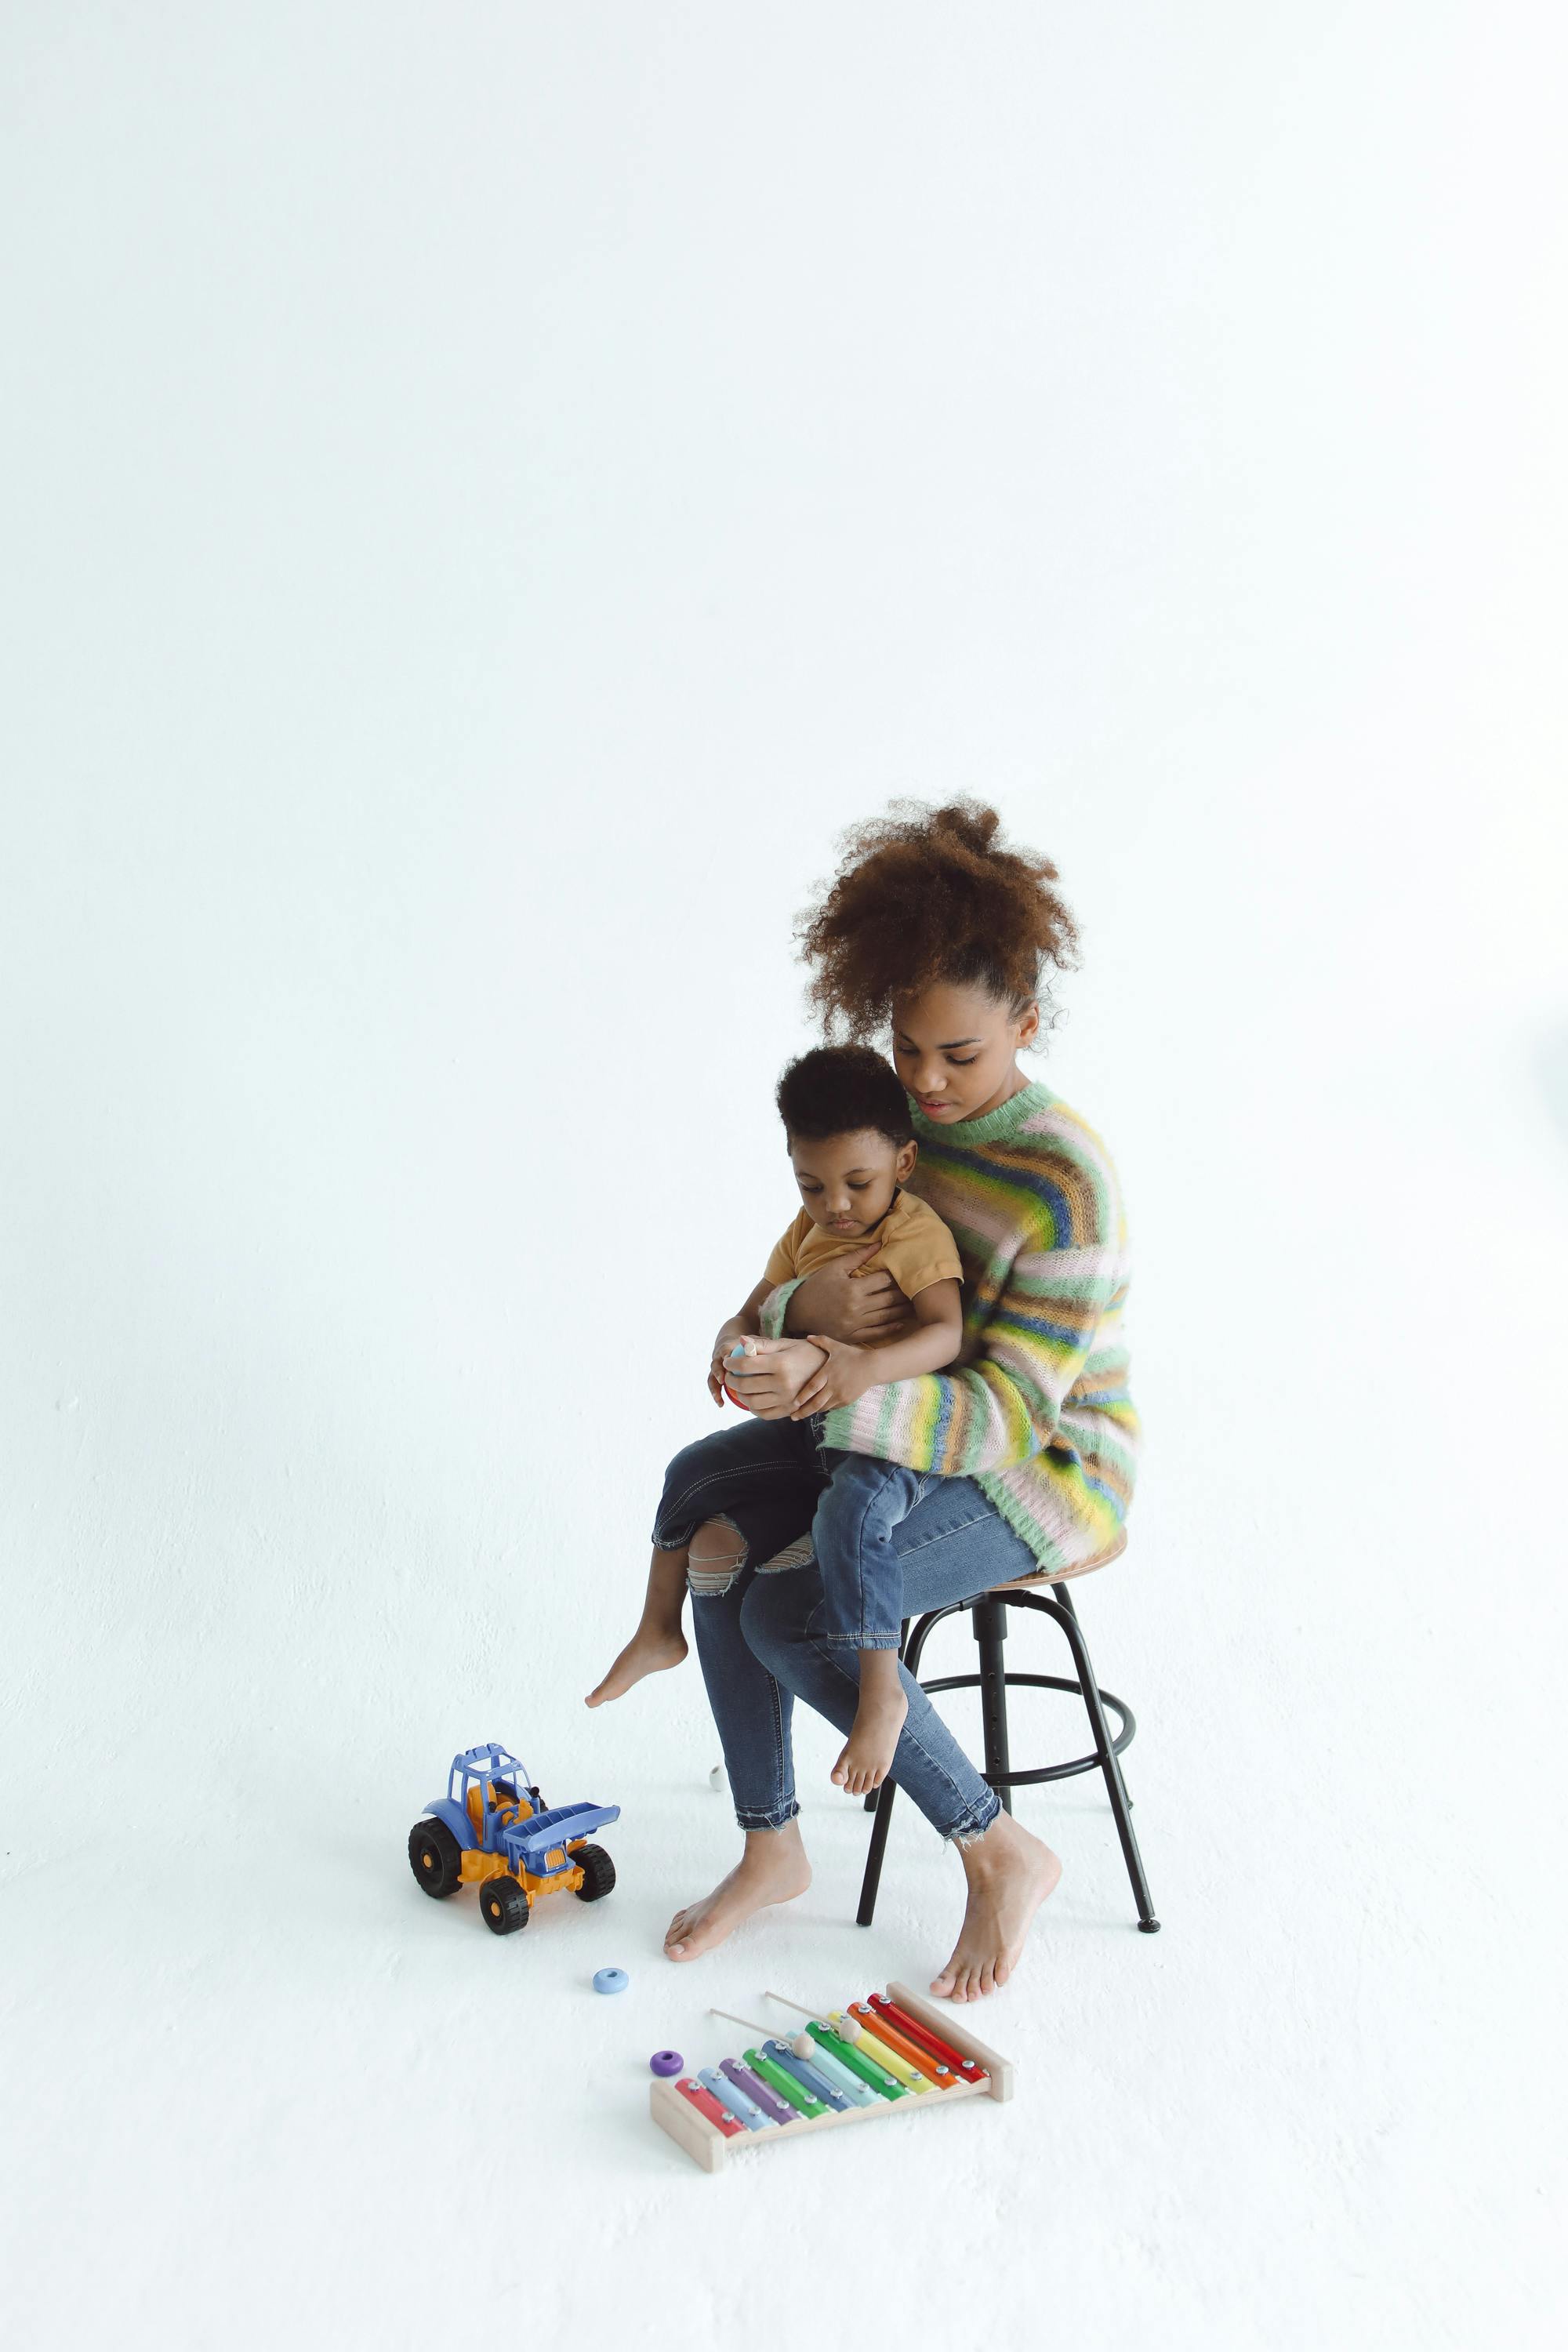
(758,1620)
(852,1538)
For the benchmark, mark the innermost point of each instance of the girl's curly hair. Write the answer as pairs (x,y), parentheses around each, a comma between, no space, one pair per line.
(928,894)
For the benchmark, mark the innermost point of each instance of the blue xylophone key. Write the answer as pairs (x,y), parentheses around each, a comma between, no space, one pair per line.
(805,2076)
(731,2095)
(858,2094)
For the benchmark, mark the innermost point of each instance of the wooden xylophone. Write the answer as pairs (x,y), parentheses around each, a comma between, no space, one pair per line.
(888,2055)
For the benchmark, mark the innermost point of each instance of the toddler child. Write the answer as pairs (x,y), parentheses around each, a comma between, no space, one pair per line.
(851,1143)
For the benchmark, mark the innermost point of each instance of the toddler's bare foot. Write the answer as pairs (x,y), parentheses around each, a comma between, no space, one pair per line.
(1010,1874)
(868,1752)
(773,1869)
(647,1653)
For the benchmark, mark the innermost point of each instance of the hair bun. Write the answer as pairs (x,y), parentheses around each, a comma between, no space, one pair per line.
(927,894)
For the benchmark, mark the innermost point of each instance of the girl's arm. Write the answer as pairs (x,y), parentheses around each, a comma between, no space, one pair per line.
(1053,1330)
(847,1371)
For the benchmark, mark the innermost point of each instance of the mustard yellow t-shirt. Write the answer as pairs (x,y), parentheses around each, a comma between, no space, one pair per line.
(912,1243)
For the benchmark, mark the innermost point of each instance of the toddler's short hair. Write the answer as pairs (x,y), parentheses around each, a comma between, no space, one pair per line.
(841,1089)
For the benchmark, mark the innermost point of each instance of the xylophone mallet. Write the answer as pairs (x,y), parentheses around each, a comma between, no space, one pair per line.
(791,2076)
(849,2047)
(872,2032)
(871,2046)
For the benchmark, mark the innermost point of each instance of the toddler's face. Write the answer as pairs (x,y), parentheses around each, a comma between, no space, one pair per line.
(847,1182)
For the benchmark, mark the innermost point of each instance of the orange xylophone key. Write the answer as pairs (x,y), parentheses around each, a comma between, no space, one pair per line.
(935,2069)
(912,2029)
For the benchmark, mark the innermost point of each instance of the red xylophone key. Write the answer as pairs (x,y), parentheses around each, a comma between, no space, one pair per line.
(913,2031)
(707,2104)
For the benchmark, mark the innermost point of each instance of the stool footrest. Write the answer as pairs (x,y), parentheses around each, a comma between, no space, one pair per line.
(1118,1706)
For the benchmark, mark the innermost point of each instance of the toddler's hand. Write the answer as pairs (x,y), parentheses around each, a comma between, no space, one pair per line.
(844,1373)
(723,1364)
(771,1373)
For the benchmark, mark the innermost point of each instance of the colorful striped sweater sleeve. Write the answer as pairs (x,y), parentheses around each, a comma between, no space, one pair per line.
(1036,1408)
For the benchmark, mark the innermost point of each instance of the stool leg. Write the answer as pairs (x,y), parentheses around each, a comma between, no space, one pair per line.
(877,1849)
(990,1632)
(1111,1764)
(1063,1599)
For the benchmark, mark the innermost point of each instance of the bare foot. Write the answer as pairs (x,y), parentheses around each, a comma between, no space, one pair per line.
(773,1869)
(867,1753)
(1010,1874)
(647,1652)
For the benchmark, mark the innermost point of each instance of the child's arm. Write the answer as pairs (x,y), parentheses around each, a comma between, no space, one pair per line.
(849,1372)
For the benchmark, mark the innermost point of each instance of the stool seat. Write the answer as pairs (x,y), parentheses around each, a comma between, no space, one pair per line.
(1061,1575)
(988,1614)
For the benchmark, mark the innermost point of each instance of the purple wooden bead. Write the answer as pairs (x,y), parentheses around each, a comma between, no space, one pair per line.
(667,2062)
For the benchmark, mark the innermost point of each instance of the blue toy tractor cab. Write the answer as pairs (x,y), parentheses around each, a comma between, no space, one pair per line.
(493,1830)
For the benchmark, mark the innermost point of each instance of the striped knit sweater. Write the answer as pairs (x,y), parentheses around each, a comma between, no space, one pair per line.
(1035,1409)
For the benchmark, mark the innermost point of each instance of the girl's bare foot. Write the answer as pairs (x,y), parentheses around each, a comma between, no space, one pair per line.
(773,1869)
(1010,1874)
(648,1651)
(867,1753)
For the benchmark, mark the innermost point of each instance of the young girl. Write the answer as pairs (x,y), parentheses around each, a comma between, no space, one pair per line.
(937,934)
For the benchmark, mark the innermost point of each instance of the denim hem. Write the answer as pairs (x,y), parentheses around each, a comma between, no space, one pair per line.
(767,1821)
(976,1824)
(916,1776)
(867,1641)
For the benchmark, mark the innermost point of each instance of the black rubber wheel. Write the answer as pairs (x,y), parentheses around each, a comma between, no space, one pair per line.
(598,1872)
(434,1857)
(504,1906)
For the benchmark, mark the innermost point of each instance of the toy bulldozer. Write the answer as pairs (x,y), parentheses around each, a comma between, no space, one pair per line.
(493,1830)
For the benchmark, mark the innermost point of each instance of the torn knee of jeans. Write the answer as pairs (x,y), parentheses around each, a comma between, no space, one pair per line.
(798,1554)
(715,1558)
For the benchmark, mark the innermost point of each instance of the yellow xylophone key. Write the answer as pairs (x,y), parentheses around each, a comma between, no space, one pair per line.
(899,2068)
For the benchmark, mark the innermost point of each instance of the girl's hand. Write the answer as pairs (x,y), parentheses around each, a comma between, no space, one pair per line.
(862,1308)
(844,1374)
(770,1374)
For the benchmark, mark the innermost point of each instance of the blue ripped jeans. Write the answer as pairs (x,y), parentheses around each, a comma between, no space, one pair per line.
(762,1636)
(852,1531)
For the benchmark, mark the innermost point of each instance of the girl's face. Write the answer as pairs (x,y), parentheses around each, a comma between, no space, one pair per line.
(955,1050)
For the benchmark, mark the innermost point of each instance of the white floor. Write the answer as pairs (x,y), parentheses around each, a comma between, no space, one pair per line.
(260,2089)
(490,493)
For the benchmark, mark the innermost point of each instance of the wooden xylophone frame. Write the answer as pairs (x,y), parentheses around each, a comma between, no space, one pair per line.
(706,2145)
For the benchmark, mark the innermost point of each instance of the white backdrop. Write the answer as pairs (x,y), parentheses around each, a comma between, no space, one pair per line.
(489,491)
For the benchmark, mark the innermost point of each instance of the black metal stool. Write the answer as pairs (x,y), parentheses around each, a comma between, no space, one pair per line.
(989,1613)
